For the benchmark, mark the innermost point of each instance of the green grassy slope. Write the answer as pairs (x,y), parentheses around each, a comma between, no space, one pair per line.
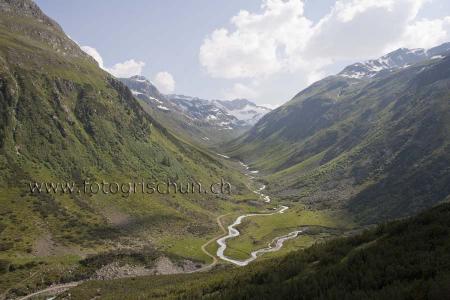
(63,119)
(379,147)
(407,259)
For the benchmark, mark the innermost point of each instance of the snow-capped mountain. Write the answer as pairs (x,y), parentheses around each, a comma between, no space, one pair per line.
(205,111)
(219,114)
(243,110)
(400,58)
(144,89)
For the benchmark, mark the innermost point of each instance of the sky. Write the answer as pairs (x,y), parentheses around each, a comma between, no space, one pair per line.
(263,50)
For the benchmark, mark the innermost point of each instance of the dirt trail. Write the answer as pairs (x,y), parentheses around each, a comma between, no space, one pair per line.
(214,258)
(56,289)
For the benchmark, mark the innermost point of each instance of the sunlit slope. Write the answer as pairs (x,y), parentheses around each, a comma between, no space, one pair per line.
(63,119)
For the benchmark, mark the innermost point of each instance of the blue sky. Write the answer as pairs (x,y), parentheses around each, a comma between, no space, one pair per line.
(265,50)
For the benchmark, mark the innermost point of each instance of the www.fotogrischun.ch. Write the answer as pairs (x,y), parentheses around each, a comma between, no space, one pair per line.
(142,187)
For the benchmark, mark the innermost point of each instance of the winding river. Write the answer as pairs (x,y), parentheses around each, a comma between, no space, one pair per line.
(273,246)
(248,172)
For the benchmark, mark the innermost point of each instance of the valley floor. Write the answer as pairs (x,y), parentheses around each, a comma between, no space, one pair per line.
(266,233)
(406,259)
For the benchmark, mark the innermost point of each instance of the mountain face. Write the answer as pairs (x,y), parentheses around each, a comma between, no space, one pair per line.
(139,85)
(143,89)
(206,111)
(64,120)
(395,60)
(378,147)
(205,121)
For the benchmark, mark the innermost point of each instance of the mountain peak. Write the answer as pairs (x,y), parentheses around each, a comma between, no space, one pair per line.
(26,8)
(24,17)
(139,84)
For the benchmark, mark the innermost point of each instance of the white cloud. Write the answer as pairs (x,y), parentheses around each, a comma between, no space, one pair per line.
(94,53)
(164,82)
(240,91)
(426,33)
(358,29)
(315,75)
(280,39)
(125,69)
(260,42)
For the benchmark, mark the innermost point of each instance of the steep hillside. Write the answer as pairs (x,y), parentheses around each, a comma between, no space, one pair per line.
(63,119)
(401,260)
(378,146)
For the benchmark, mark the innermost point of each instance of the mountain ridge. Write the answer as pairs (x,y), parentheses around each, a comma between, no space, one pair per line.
(359,144)
(400,58)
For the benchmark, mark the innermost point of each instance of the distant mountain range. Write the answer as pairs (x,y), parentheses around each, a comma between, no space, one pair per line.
(244,111)
(226,114)
(203,120)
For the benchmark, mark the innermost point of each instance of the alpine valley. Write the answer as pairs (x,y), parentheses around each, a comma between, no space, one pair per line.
(340,193)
